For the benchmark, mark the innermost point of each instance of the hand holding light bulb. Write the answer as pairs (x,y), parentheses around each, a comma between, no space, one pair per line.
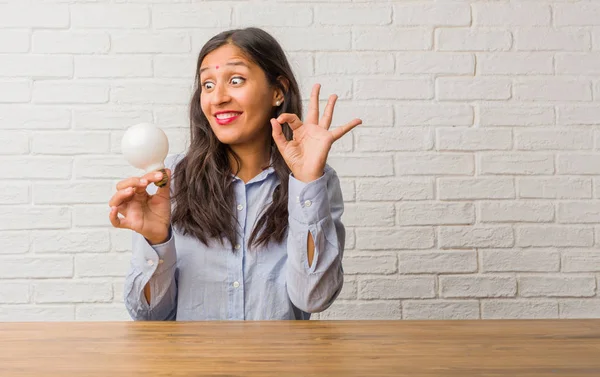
(144,146)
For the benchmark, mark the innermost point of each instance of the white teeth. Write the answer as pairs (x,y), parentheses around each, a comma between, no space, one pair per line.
(227,115)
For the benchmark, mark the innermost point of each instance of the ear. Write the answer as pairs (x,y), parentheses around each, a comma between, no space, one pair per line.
(280,89)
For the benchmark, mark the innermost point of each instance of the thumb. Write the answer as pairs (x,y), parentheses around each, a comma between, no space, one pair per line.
(164,184)
(278,136)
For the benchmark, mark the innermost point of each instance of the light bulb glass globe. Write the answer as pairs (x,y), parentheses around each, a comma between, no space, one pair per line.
(145,146)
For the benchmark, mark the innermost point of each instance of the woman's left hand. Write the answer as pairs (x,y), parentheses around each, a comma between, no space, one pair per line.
(306,154)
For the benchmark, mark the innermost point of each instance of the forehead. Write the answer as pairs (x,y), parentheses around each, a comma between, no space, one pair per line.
(224,54)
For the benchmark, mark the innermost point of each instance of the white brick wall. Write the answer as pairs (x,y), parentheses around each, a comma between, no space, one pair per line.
(472,189)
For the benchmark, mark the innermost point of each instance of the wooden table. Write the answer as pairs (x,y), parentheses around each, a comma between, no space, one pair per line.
(302,348)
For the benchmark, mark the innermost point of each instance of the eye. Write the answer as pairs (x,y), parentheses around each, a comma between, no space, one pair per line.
(237,80)
(208,85)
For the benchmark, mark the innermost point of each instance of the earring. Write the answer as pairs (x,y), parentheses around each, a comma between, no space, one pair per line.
(278,103)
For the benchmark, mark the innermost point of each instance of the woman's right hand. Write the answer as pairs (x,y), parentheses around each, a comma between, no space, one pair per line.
(148,215)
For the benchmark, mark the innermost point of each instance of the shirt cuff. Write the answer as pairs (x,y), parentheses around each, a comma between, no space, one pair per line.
(155,259)
(308,203)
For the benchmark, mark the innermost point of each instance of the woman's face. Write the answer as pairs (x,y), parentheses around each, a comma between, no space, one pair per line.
(236,98)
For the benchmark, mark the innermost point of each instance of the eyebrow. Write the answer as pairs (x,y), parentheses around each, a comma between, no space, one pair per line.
(239,63)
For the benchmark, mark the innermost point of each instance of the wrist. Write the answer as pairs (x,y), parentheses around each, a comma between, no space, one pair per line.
(307,178)
(159,238)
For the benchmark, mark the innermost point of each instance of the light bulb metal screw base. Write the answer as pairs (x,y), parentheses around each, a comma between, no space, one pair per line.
(164,180)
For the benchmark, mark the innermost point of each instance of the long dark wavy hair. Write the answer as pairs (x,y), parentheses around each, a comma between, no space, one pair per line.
(203,187)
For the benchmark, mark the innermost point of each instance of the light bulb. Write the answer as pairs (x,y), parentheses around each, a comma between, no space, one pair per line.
(145,146)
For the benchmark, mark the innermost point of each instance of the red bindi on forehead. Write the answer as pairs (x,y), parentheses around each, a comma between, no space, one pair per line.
(217,67)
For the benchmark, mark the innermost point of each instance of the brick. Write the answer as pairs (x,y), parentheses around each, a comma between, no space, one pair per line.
(434,164)
(582,163)
(547,39)
(33,117)
(366,214)
(382,140)
(579,309)
(577,14)
(475,188)
(70,42)
(353,63)
(151,93)
(104,167)
(75,241)
(520,260)
(435,213)
(15,92)
(468,39)
(171,116)
(453,88)
(553,140)
(434,115)
(472,139)
(519,309)
(349,289)
(394,189)
(391,39)
(36,66)
(14,41)
(22,218)
(556,89)
(174,66)
(15,193)
(584,115)
(191,16)
(507,15)
(397,288)
(14,143)
(340,86)
(91,215)
(516,211)
(14,293)
(351,15)
(369,310)
(72,192)
(101,312)
(580,260)
(150,42)
(396,89)
(69,92)
(15,242)
(557,286)
(70,143)
(514,116)
(580,212)
(37,313)
(113,66)
(578,64)
(121,239)
(102,265)
(371,115)
(555,188)
(350,238)
(34,16)
(36,268)
(435,63)
(516,163)
(480,286)
(36,167)
(475,236)
(440,309)
(316,39)
(284,15)
(395,239)
(515,63)
(108,16)
(554,236)
(72,291)
(438,262)
(383,264)
(348,189)
(111,118)
(302,63)
(364,166)
(417,14)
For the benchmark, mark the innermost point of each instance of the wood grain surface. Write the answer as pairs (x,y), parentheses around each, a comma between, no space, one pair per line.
(302,348)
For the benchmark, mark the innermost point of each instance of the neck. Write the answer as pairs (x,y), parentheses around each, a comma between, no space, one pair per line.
(253,161)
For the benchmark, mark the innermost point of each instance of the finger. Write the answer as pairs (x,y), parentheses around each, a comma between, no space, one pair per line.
(157,177)
(328,113)
(121,197)
(114,218)
(278,136)
(291,119)
(341,131)
(135,182)
(313,105)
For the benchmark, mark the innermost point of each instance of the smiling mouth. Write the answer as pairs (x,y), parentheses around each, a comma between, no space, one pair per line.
(225,118)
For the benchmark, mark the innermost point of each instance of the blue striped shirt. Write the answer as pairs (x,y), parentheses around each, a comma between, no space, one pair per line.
(191,281)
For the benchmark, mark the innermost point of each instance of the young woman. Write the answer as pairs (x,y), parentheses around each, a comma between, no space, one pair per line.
(248,226)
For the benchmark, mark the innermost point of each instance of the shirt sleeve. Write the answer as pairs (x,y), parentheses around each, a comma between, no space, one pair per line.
(154,265)
(315,207)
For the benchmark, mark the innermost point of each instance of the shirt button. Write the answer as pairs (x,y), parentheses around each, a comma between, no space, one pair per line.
(240,207)
(307,203)
(237,246)
(236,284)
(150,262)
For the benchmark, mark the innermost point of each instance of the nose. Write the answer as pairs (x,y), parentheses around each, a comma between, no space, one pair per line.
(219,95)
